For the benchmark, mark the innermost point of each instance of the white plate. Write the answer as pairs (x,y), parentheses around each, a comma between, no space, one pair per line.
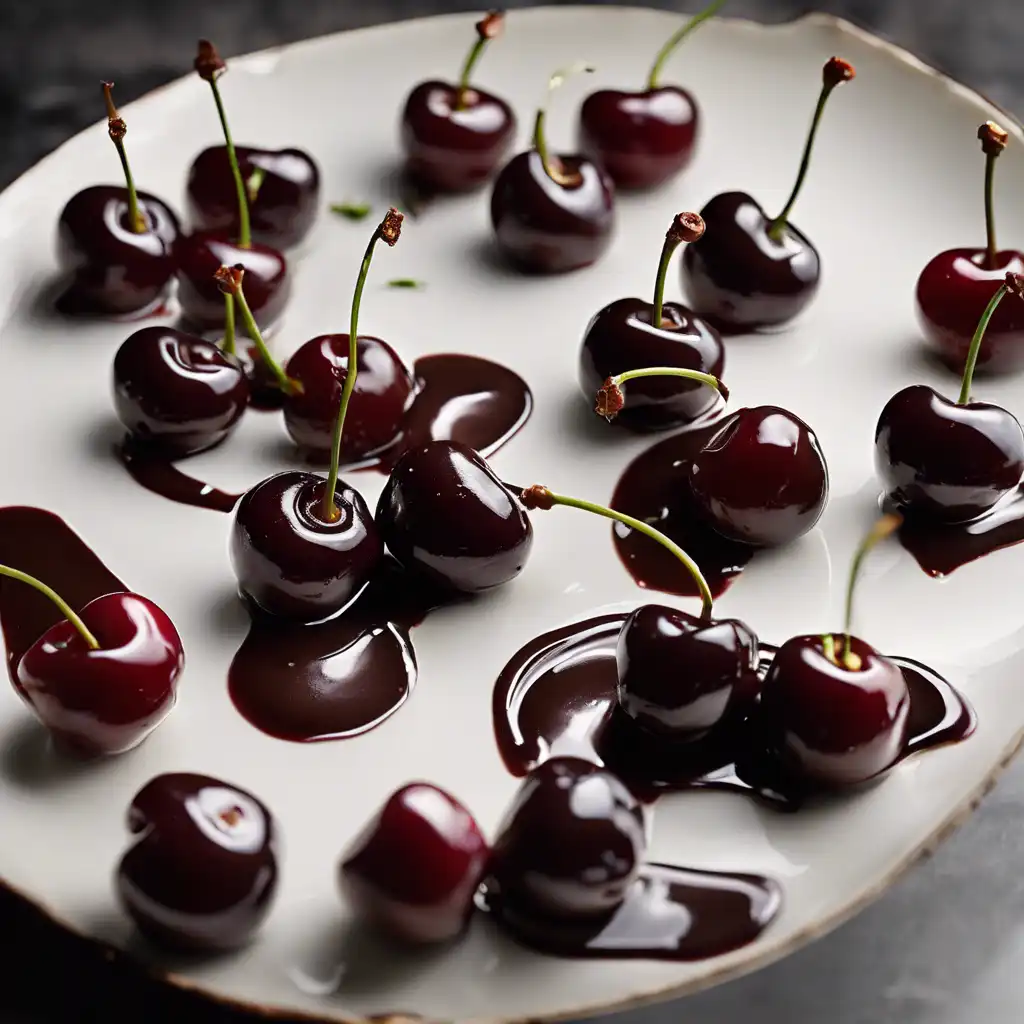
(896,178)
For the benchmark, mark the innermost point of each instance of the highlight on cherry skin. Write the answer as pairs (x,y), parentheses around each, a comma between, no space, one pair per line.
(751,270)
(102,678)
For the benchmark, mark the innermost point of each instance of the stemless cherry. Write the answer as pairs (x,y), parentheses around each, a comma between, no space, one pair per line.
(956,285)
(282,188)
(679,675)
(951,461)
(630,333)
(103,679)
(834,710)
(571,845)
(644,138)
(455,136)
(751,270)
(202,872)
(414,869)
(115,243)
(552,213)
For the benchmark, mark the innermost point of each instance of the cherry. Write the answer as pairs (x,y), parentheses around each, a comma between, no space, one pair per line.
(282,189)
(303,547)
(445,514)
(951,461)
(200,254)
(552,213)
(176,392)
(571,845)
(202,872)
(750,270)
(455,136)
(644,138)
(101,681)
(678,675)
(115,243)
(836,717)
(957,284)
(630,333)
(414,869)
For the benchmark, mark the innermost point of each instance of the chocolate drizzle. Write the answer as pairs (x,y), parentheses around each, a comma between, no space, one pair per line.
(161,476)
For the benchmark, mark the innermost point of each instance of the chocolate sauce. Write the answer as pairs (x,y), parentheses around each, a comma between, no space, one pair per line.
(161,476)
(334,679)
(556,697)
(654,488)
(670,913)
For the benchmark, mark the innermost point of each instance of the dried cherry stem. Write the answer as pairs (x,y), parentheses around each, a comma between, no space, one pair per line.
(993,142)
(65,609)
(117,129)
(487,28)
(552,165)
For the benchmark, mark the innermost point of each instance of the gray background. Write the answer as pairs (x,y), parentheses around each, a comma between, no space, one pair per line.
(946,946)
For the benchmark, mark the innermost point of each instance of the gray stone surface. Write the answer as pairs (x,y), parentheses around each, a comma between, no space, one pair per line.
(946,946)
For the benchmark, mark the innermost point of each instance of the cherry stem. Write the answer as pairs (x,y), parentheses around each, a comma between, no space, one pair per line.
(835,73)
(686,227)
(993,142)
(975,347)
(488,28)
(65,609)
(244,227)
(553,166)
(885,526)
(228,344)
(610,399)
(388,230)
(539,497)
(116,128)
(255,183)
(677,37)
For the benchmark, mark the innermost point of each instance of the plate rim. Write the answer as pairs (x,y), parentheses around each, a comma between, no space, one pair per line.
(945,828)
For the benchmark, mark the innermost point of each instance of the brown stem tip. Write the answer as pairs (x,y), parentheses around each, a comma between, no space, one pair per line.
(1015,284)
(115,124)
(391,226)
(836,71)
(208,62)
(491,25)
(993,138)
(610,400)
(229,279)
(687,227)
(537,497)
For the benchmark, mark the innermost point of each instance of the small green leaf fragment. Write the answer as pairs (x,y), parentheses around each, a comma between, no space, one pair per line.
(351,211)
(406,282)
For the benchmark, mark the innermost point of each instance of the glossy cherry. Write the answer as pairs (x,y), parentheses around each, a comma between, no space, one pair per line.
(552,213)
(202,872)
(456,136)
(282,186)
(414,869)
(114,243)
(951,461)
(644,138)
(444,513)
(571,844)
(678,675)
(761,478)
(751,270)
(957,284)
(176,392)
(103,679)
(630,333)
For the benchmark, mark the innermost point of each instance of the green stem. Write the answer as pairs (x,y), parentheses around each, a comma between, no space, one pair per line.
(671,371)
(972,352)
(228,344)
(65,609)
(552,168)
(886,525)
(990,219)
(672,242)
(284,382)
(116,128)
(677,37)
(244,229)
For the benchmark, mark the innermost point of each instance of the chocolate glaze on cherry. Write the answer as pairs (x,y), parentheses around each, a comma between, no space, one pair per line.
(427,897)
(113,269)
(176,392)
(557,697)
(203,871)
(285,206)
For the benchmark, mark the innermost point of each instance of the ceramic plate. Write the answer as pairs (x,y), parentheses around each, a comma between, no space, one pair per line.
(896,178)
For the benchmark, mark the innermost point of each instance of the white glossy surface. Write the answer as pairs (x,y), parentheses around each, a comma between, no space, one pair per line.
(897,177)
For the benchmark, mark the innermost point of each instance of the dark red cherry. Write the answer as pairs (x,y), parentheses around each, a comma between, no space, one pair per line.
(176,392)
(114,269)
(383,391)
(201,254)
(289,559)
(761,478)
(105,700)
(678,675)
(202,872)
(829,724)
(445,514)
(947,461)
(282,206)
(571,845)
(414,869)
